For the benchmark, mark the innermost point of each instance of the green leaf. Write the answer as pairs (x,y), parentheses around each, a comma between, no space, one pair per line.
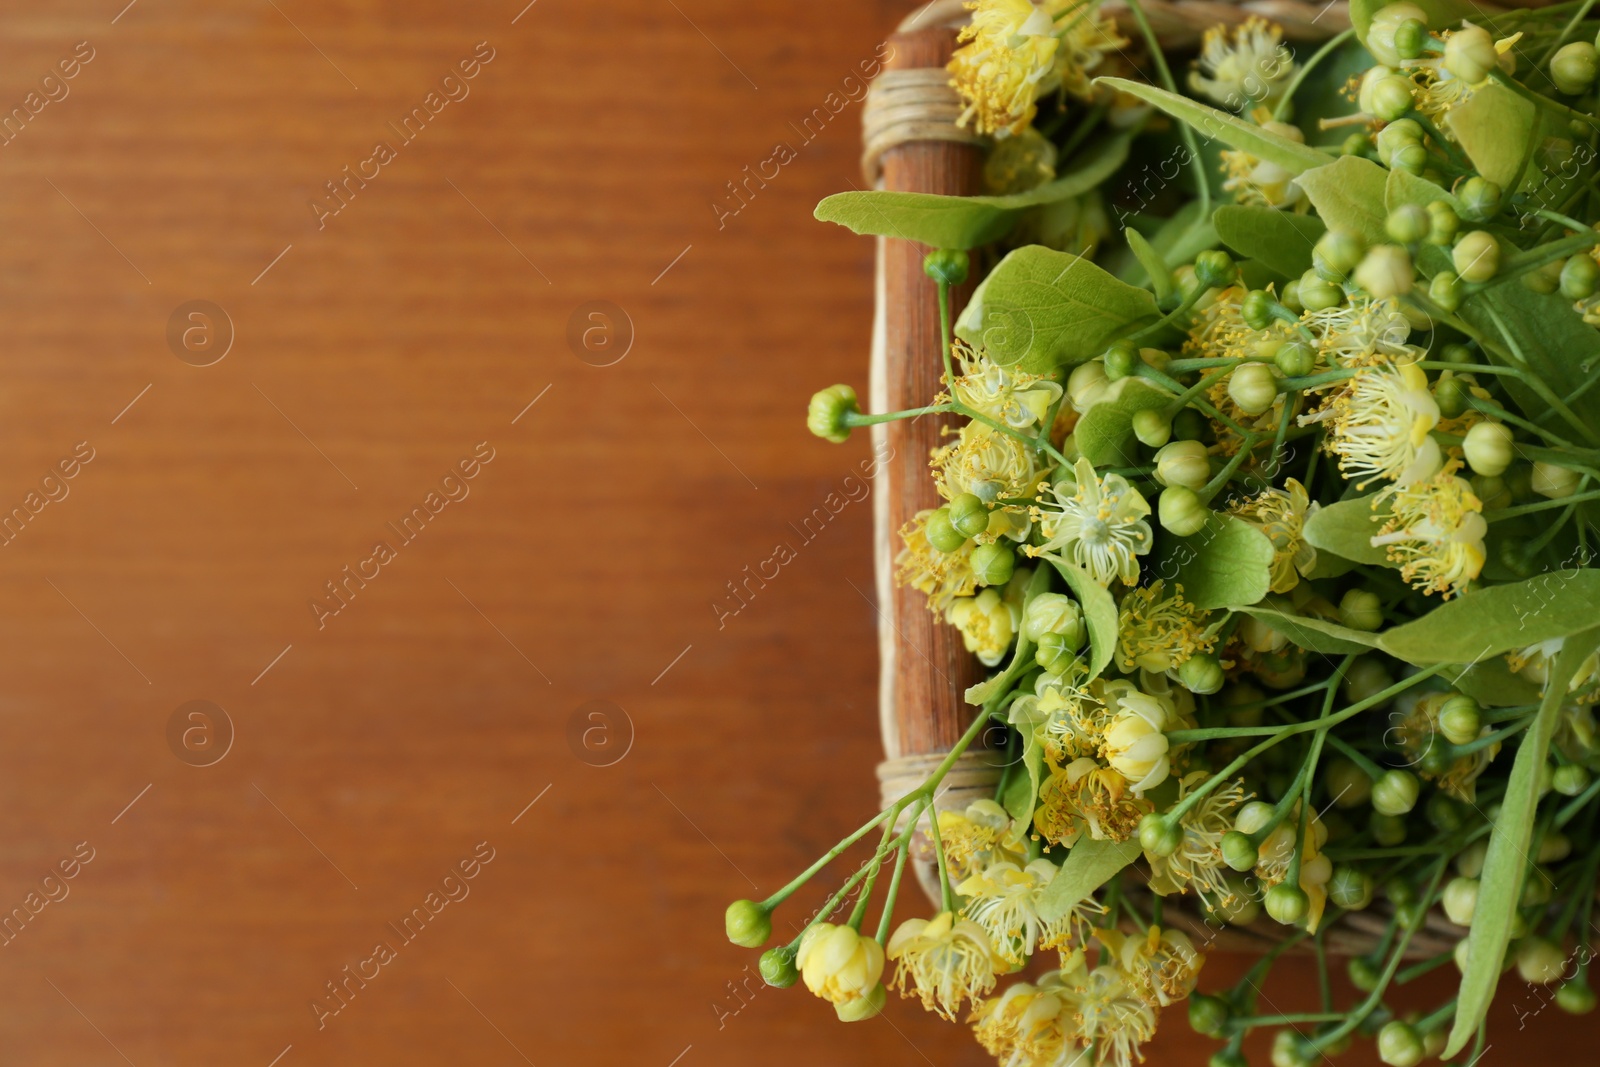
(1019,796)
(1042,309)
(1155,268)
(1494,126)
(1089,865)
(1506,863)
(1279,239)
(1403,187)
(1492,684)
(1105,433)
(1346,528)
(1487,622)
(1313,634)
(1185,235)
(1228,562)
(1348,193)
(967,221)
(1099,613)
(1559,346)
(1217,125)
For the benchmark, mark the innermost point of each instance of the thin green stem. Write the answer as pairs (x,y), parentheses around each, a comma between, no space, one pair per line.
(1202,180)
(1317,57)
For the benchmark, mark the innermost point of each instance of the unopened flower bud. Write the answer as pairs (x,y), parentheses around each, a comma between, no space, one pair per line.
(1573,67)
(1575,997)
(1350,888)
(1289,1049)
(1545,279)
(1184,463)
(1469,54)
(1407,224)
(1315,294)
(1257,309)
(947,265)
(1461,900)
(748,923)
(1087,384)
(862,1008)
(1476,256)
(1398,135)
(1208,1015)
(1451,393)
(1570,779)
(828,415)
(1158,835)
(1053,613)
(1181,511)
(1337,253)
(1152,428)
(1443,223)
(1555,482)
(1555,847)
(1238,851)
(1385,271)
(1469,861)
(777,967)
(1539,961)
(1295,358)
(1361,610)
(1367,677)
(1363,973)
(992,563)
(1395,793)
(1226,1056)
(1202,674)
(1383,32)
(1460,719)
(1410,38)
(1444,289)
(940,534)
(968,514)
(1490,447)
(1580,277)
(1411,158)
(1348,784)
(1253,387)
(1122,359)
(1215,269)
(1391,97)
(1399,1045)
(1480,198)
(1287,903)
(1054,652)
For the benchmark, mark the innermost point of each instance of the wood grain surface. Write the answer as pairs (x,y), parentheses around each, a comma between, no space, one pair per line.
(425,744)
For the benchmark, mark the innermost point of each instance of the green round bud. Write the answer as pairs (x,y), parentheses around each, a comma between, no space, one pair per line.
(777,967)
(1519,479)
(1521,558)
(1184,463)
(1469,861)
(1257,309)
(1086,384)
(1545,279)
(1399,1045)
(1460,719)
(1554,848)
(1554,482)
(1181,511)
(1350,888)
(1364,974)
(748,923)
(1053,613)
(1540,961)
(1460,900)
(1410,38)
(1387,830)
(947,265)
(1253,387)
(1574,66)
(1407,224)
(1288,904)
(1443,223)
(1435,759)
(1391,97)
(1395,793)
(1228,1057)
(1490,447)
(1470,55)
(1159,836)
(1215,269)
(1411,916)
(1295,358)
(1570,779)
(1347,783)
(1208,1015)
(1289,1049)
(1122,359)
(1318,295)
(1355,145)
(1444,289)
(1238,851)
(1337,253)
(1289,296)
(1202,674)
(1383,37)
(1458,354)
(1190,425)
(1450,392)
(1476,256)
(1054,652)
(941,534)
(1411,158)
(1444,813)
(992,564)
(861,1009)
(969,515)
(1398,135)
(1575,997)
(1480,198)
(1361,610)
(1152,428)
(1580,277)
(828,415)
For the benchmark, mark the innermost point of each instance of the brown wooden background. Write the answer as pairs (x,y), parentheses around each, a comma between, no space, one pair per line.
(428,714)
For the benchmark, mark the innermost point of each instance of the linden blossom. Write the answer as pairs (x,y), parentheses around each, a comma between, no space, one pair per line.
(344,588)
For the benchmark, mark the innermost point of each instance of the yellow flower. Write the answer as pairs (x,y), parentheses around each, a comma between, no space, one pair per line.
(1159,633)
(1074,719)
(1135,742)
(1533,663)
(1082,796)
(1281,514)
(839,964)
(1025,1026)
(1197,864)
(987,624)
(1162,966)
(1256,181)
(945,961)
(1379,425)
(1438,90)
(1005,394)
(1100,526)
(943,576)
(1004,901)
(1435,532)
(1272,866)
(1253,68)
(979,836)
(1362,332)
(1013,52)
(1109,1015)
(986,463)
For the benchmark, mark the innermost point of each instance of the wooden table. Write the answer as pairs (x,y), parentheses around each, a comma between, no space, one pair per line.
(232,471)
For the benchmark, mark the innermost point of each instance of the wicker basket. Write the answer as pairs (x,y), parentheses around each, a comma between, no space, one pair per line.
(911,143)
